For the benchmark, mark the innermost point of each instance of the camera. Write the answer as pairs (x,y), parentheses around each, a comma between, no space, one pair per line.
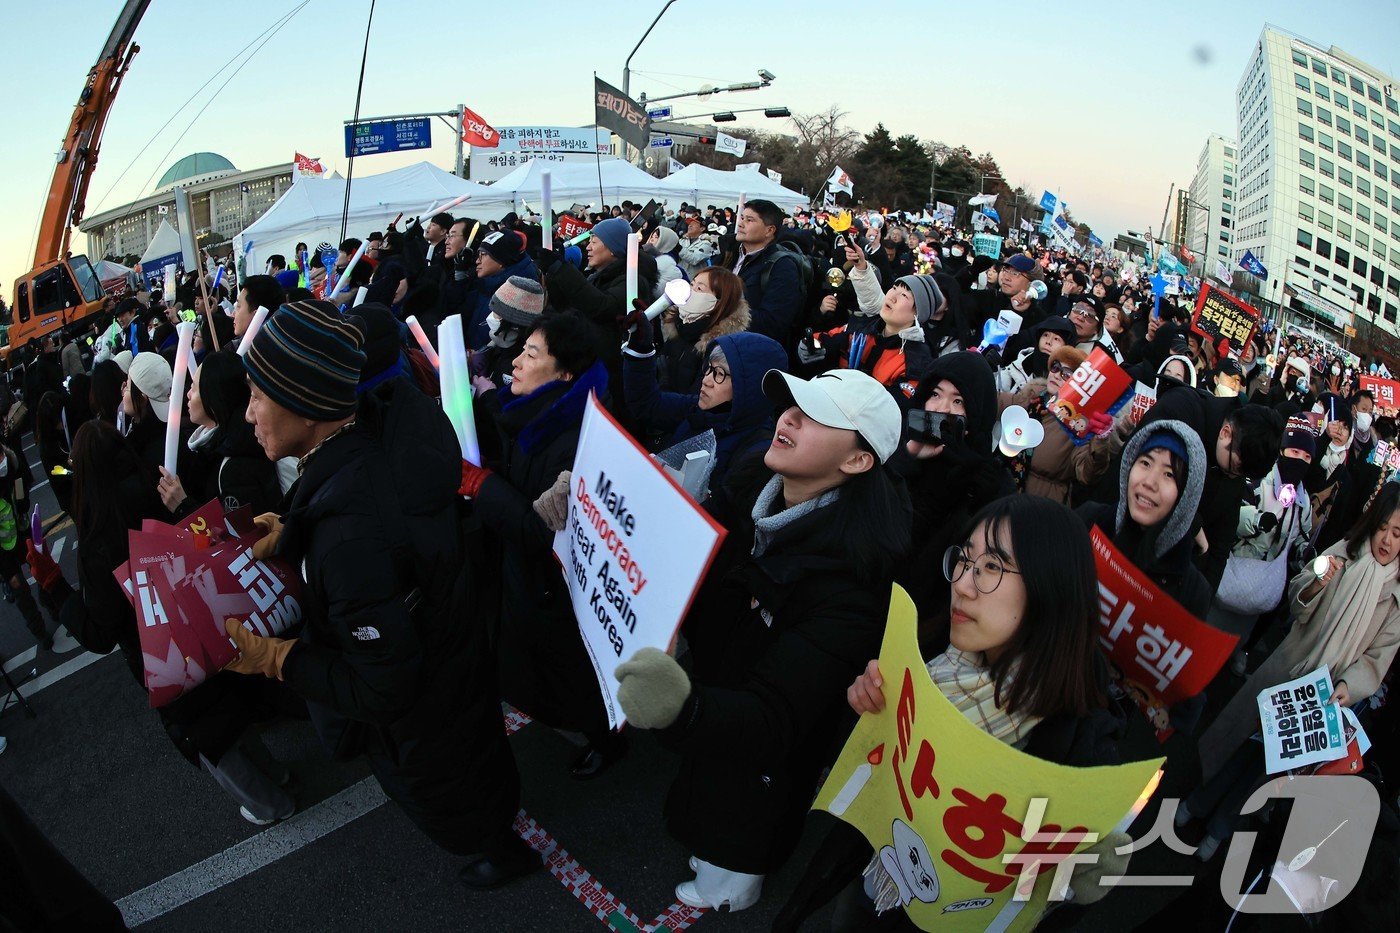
(935,427)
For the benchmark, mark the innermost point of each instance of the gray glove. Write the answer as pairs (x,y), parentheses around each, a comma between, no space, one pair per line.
(553,504)
(652,689)
(1086,882)
(809,356)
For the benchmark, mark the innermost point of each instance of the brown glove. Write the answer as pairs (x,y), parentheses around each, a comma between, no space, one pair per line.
(553,504)
(271,525)
(258,655)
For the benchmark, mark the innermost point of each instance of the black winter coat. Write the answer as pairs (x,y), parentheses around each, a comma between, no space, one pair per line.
(237,472)
(776,640)
(544,667)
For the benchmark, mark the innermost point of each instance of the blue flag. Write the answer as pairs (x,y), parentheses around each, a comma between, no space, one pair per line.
(1047,202)
(1094,241)
(992,213)
(1251,264)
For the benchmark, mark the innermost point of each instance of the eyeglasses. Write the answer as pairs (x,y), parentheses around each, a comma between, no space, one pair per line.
(1084,313)
(715,373)
(986,571)
(1059,369)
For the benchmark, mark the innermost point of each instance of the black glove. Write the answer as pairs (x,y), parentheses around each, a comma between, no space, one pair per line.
(546,260)
(993,356)
(639,334)
(1268,522)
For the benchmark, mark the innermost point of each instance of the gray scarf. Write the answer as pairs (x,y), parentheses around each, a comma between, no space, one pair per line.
(767,527)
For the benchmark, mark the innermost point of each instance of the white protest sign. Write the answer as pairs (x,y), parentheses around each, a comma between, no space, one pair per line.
(1300,724)
(634,550)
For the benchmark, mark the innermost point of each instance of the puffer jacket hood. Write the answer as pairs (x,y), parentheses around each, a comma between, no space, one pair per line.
(749,356)
(1178,524)
(972,375)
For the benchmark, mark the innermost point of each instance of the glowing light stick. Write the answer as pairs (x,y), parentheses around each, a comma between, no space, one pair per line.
(578,238)
(634,242)
(424,344)
(246,343)
(546,210)
(345,276)
(457,386)
(185,330)
(677,292)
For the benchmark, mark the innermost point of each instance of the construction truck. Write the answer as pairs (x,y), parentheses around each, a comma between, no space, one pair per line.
(62,289)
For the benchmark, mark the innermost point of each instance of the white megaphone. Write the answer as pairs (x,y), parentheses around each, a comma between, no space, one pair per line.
(1011,321)
(1018,431)
(994,333)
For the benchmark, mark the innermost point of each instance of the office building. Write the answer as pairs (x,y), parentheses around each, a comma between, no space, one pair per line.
(1208,205)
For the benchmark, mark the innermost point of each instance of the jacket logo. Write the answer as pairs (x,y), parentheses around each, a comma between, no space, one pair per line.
(366,633)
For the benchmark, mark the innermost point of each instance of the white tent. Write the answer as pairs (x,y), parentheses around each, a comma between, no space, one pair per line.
(578,182)
(701,186)
(163,250)
(310,210)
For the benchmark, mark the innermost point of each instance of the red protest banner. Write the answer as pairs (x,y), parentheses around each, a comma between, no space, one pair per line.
(1220,314)
(1098,388)
(307,164)
(1160,653)
(570,227)
(1385,391)
(183,588)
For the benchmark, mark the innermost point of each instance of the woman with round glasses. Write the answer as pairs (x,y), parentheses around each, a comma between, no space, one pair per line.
(730,399)
(1022,662)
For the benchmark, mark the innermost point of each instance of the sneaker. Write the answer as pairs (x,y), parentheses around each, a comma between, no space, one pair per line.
(689,895)
(248,815)
(1206,850)
(1239,663)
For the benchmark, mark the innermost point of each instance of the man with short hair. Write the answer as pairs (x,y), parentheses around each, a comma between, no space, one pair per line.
(254,292)
(772,274)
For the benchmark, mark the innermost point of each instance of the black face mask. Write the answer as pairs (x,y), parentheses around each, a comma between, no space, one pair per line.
(1291,470)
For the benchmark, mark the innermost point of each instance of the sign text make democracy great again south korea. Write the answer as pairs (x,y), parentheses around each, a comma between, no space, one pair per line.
(617,590)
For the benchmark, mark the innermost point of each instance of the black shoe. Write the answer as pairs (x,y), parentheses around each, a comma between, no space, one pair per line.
(485,871)
(594,761)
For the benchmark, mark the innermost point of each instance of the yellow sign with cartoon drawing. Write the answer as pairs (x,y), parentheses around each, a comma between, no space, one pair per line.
(969,829)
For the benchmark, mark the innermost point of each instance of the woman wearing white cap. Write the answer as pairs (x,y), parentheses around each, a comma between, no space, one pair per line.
(787,617)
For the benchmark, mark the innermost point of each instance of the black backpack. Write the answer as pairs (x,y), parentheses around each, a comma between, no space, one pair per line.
(806,276)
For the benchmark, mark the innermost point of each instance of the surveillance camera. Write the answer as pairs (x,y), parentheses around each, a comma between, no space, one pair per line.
(767,75)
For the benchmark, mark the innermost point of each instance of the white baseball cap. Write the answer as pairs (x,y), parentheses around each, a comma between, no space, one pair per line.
(842,398)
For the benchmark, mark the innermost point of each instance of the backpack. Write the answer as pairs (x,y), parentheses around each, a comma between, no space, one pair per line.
(806,269)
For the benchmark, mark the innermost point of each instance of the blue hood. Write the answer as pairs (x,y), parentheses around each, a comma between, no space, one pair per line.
(748,356)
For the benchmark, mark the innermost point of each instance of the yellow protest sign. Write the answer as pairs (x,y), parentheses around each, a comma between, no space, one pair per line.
(955,814)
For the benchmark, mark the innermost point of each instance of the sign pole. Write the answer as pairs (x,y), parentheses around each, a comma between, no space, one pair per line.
(459,171)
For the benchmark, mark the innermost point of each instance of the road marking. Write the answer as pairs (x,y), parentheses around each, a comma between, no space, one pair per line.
(38,485)
(51,677)
(21,659)
(248,856)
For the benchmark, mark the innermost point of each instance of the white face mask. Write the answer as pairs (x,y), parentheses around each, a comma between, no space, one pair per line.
(1336,370)
(946,251)
(493,324)
(957,252)
(1363,421)
(697,306)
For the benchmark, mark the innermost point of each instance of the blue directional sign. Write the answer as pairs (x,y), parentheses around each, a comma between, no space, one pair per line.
(659,113)
(387,136)
(661,142)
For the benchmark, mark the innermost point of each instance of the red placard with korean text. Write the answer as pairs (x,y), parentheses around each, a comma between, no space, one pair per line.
(1089,397)
(1160,653)
(570,227)
(1386,391)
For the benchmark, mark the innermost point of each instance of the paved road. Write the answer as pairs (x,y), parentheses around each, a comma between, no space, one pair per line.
(97,773)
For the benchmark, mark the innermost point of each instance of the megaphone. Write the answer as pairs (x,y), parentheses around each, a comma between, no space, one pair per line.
(1018,431)
(1036,291)
(1011,321)
(835,277)
(994,333)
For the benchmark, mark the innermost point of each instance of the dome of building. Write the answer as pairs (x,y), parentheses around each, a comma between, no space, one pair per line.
(196,166)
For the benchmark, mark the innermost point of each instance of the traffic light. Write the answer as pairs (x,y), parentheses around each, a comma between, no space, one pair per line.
(705,140)
(777,112)
(726,117)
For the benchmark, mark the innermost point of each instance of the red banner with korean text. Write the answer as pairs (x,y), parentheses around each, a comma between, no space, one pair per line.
(570,227)
(1221,315)
(1159,652)
(971,833)
(1090,397)
(183,584)
(477,132)
(1385,391)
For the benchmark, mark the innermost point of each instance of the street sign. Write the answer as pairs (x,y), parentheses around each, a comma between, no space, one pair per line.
(659,113)
(387,136)
(661,142)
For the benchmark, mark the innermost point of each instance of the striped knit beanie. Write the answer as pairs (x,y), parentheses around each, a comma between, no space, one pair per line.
(307,358)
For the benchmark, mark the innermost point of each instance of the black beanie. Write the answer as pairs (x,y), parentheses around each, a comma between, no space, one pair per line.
(972,375)
(307,358)
(383,342)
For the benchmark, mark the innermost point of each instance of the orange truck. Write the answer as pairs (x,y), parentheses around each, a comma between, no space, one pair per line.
(62,289)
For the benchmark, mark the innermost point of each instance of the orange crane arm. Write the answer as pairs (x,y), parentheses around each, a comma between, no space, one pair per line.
(78,156)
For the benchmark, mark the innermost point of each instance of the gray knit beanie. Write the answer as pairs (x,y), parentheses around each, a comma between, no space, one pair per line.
(1178,523)
(927,295)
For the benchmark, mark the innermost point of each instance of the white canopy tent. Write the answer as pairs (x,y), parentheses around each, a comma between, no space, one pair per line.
(163,250)
(578,183)
(310,210)
(699,185)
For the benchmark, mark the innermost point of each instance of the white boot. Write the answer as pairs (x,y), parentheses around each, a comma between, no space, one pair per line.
(716,887)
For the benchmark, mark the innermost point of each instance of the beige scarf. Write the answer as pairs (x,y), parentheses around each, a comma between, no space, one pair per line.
(1346,607)
(966,680)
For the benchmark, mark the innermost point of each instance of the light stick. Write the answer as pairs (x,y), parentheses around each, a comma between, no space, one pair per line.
(416,330)
(345,276)
(634,242)
(438,210)
(246,343)
(677,292)
(457,386)
(743,199)
(476,225)
(578,238)
(546,210)
(185,330)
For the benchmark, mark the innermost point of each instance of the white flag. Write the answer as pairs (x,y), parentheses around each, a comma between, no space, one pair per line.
(730,144)
(839,180)
(775,175)
(1222,271)
(982,200)
(1026,226)
(748,166)
(675,167)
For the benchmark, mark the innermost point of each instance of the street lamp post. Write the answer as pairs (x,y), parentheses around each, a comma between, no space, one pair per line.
(1206,245)
(627,65)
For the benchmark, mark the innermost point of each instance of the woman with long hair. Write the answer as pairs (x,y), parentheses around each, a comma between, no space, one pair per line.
(1022,663)
(238,472)
(793,605)
(105,390)
(716,308)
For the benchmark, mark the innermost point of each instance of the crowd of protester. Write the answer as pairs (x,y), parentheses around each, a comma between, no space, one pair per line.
(855,403)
